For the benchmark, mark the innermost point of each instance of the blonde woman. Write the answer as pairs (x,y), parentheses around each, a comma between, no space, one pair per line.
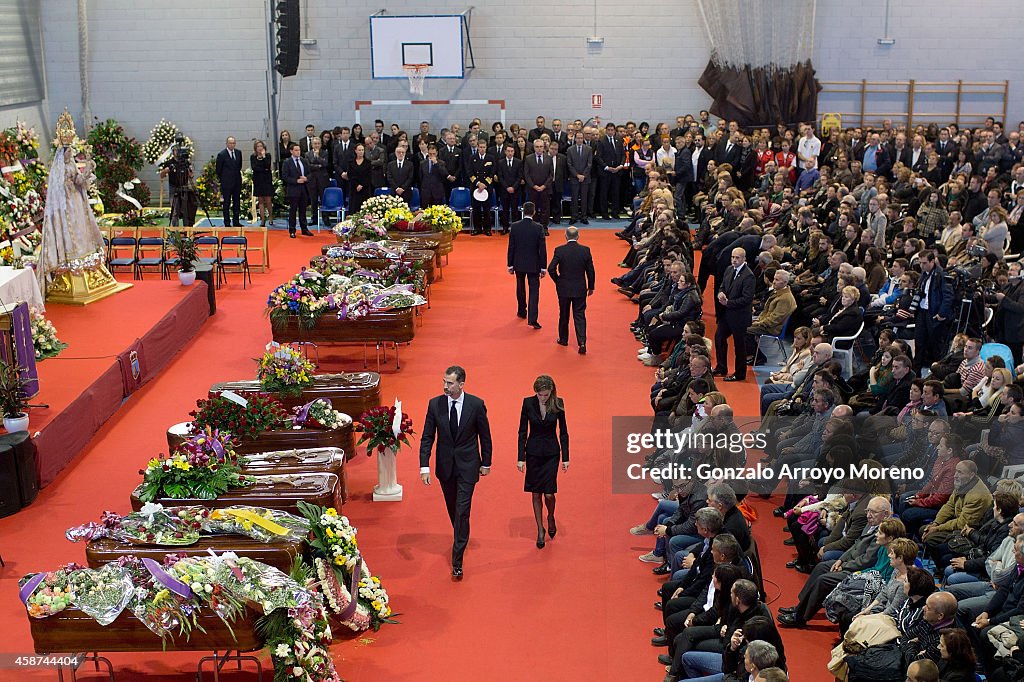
(543,441)
(798,359)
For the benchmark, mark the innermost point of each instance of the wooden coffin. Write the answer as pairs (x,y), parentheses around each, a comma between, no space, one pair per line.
(444,239)
(352,392)
(380,325)
(314,460)
(285,439)
(424,260)
(273,492)
(277,554)
(71,631)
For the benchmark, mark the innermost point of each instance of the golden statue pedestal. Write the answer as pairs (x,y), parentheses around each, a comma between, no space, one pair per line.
(82,284)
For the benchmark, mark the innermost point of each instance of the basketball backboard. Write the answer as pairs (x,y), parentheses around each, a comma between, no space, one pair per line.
(441,41)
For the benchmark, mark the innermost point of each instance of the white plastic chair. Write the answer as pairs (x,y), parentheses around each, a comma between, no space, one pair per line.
(845,355)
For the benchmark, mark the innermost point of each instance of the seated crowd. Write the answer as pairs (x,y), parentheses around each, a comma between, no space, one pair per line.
(888,266)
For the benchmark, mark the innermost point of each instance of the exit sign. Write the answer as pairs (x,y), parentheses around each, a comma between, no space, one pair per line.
(596,100)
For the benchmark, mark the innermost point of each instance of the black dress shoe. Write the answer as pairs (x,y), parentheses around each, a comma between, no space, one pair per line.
(804,568)
(457,573)
(583,350)
(307,233)
(657,605)
(535,325)
(789,620)
(791,564)
(661,570)
(522,315)
(291,233)
(540,540)
(552,528)
(733,377)
(659,631)
(778,512)
(787,609)
(659,641)
(664,659)
(718,372)
(789,542)
(561,343)
(585,221)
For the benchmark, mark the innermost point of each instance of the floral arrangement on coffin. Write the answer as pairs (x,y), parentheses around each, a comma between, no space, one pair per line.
(303,296)
(259,413)
(203,467)
(382,249)
(352,305)
(333,265)
(397,296)
(51,593)
(383,429)
(353,595)
(44,336)
(183,526)
(377,206)
(364,225)
(154,524)
(161,138)
(440,218)
(319,414)
(285,369)
(399,218)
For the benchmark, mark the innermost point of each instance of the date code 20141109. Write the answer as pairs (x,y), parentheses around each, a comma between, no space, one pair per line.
(39,661)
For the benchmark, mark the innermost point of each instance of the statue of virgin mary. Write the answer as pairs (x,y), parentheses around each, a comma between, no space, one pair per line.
(71,264)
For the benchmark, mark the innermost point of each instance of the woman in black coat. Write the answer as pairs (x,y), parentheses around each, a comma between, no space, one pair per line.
(847,320)
(359,180)
(540,449)
(262,182)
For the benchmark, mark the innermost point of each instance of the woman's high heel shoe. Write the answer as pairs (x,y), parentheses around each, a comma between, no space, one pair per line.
(552,529)
(540,539)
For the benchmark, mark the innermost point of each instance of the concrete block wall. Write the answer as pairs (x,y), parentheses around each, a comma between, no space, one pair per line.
(202,64)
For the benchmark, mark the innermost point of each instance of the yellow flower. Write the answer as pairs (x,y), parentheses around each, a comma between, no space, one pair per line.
(339,560)
(331,512)
(330,533)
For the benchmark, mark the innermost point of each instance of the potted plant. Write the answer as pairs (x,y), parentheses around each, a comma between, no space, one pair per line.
(185,246)
(13,401)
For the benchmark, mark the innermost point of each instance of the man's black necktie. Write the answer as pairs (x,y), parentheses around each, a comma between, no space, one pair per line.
(453,422)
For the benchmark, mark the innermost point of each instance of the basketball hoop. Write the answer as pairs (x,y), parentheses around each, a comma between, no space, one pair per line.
(417,73)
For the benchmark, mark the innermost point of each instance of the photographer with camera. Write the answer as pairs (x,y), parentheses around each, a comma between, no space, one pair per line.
(178,171)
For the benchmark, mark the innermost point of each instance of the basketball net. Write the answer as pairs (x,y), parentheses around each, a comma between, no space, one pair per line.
(417,74)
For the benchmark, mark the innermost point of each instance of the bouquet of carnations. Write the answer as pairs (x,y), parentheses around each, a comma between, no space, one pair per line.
(285,369)
(45,594)
(101,593)
(302,296)
(398,217)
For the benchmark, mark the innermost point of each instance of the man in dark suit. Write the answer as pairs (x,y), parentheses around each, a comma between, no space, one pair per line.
(538,174)
(527,255)
(229,175)
(580,158)
(432,177)
(344,152)
(383,139)
(729,150)
(734,316)
(450,154)
(691,166)
(293,174)
(424,135)
(934,313)
(611,159)
(559,172)
(399,174)
(510,176)
(558,135)
(480,173)
(459,423)
(572,270)
(306,143)
(540,130)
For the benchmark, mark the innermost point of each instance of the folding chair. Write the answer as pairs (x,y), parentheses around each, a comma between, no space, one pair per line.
(777,338)
(414,200)
(211,245)
(241,260)
(333,202)
(119,245)
(154,245)
(381,191)
(461,202)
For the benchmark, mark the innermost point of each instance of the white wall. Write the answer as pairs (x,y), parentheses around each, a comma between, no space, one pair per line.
(202,64)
